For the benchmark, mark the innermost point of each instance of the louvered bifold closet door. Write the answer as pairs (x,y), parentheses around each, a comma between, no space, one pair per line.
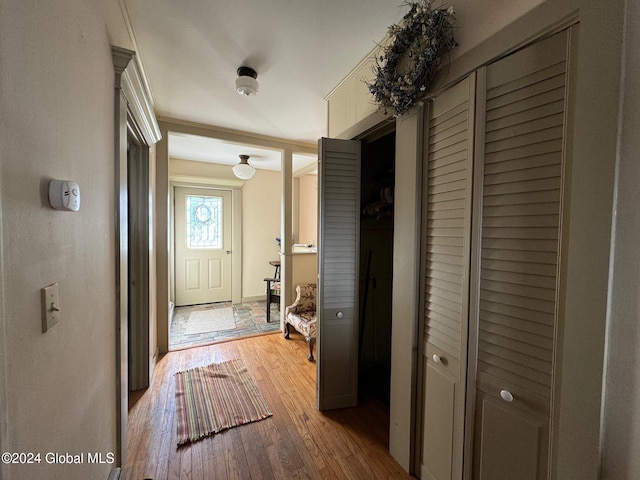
(521,192)
(446,243)
(338,233)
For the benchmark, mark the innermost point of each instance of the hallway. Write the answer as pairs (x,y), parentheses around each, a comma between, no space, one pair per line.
(297,442)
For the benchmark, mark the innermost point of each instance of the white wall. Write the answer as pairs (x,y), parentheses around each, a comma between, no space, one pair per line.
(622,404)
(308,210)
(57,121)
(261,213)
(192,168)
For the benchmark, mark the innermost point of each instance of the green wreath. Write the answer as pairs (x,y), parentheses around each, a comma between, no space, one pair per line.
(407,66)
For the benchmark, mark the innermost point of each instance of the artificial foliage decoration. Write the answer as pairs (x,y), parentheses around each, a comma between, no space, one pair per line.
(407,66)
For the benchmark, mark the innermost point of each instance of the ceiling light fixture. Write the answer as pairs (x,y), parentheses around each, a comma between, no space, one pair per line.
(243,170)
(246,83)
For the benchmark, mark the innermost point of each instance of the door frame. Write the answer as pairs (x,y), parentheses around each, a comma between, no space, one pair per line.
(208,183)
(132,103)
(139,221)
(227,213)
(405,285)
(163,193)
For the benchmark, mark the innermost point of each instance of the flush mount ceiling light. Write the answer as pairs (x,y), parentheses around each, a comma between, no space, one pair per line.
(246,83)
(243,170)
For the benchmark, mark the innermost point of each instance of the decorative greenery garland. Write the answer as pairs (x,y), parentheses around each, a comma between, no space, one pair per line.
(407,66)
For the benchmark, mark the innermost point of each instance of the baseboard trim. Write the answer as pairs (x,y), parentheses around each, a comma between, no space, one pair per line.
(259,298)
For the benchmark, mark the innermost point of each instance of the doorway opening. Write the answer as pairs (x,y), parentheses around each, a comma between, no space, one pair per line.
(258,208)
(207,241)
(139,333)
(377,177)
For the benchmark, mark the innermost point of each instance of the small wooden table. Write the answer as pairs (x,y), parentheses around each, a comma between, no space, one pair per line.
(276,264)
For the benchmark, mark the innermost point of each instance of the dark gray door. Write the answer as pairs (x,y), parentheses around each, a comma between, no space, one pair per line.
(338,235)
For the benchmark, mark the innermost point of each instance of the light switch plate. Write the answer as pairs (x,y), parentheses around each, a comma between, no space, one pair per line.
(50,307)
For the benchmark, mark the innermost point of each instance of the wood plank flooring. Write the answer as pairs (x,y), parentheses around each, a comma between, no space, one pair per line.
(297,442)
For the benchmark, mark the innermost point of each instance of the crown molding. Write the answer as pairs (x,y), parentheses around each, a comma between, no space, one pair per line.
(130,79)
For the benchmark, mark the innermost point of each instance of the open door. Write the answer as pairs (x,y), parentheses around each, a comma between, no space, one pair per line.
(337,303)
(138,267)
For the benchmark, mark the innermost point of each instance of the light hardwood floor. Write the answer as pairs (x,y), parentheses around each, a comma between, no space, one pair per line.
(296,442)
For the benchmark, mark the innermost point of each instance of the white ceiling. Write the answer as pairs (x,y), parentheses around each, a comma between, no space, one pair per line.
(300,49)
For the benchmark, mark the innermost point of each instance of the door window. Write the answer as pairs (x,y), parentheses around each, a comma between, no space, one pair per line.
(204,222)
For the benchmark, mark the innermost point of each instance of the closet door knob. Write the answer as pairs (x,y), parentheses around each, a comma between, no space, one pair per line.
(339,314)
(437,358)
(506,395)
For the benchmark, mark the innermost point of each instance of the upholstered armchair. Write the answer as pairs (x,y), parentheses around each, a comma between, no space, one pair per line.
(302,316)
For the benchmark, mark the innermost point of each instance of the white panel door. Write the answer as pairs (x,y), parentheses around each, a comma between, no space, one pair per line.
(202,245)
(338,234)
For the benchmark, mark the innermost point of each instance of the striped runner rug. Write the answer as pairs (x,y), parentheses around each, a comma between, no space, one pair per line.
(216,397)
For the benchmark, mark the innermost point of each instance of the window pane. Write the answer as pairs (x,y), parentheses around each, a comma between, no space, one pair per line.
(204,222)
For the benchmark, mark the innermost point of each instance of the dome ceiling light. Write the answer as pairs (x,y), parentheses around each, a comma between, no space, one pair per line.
(246,83)
(243,170)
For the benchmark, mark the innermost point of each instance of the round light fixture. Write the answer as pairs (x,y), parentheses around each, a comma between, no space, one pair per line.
(243,170)
(246,83)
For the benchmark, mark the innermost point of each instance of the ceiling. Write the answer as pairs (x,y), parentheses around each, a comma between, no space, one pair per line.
(300,49)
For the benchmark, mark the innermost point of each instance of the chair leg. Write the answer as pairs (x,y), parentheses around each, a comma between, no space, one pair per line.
(310,341)
(286,331)
(268,304)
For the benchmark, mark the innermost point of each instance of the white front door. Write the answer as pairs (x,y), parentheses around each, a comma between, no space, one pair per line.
(202,245)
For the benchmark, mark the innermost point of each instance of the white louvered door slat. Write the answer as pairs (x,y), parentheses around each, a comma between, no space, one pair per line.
(516,305)
(447,177)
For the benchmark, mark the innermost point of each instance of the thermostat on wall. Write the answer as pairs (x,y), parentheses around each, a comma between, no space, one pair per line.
(64,195)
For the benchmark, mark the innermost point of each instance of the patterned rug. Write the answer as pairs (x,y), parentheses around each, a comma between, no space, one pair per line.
(216,397)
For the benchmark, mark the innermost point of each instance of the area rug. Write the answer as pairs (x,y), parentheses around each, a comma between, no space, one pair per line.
(210,320)
(215,398)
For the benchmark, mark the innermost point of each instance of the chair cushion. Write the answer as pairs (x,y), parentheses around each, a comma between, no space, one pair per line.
(304,322)
(301,315)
